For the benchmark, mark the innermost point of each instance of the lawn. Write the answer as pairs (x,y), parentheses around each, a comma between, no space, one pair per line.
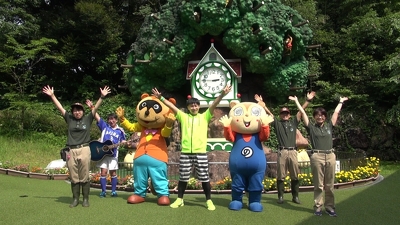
(32,201)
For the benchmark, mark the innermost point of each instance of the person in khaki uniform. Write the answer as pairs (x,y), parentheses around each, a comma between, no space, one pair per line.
(323,158)
(285,129)
(78,138)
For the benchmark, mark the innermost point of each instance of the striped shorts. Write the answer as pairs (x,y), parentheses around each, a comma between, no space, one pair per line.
(200,162)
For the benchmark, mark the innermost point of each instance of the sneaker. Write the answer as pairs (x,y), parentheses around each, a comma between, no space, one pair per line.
(210,205)
(331,213)
(114,194)
(178,203)
(103,194)
(318,213)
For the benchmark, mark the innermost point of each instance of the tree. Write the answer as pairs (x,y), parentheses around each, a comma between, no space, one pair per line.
(242,29)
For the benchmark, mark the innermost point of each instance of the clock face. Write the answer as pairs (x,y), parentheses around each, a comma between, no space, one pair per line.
(212,78)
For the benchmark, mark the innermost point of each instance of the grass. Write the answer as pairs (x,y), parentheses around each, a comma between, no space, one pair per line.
(31,201)
(47,201)
(33,151)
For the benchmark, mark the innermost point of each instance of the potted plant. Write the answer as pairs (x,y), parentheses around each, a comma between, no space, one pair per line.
(21,170)
(38,173)
(58,173)
(5,166)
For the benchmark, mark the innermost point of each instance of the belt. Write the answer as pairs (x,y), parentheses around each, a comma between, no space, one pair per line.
(287,148)
(78,146)
(323,151)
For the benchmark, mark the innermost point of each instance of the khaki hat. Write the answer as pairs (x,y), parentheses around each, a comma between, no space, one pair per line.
(285,109)
(77,105)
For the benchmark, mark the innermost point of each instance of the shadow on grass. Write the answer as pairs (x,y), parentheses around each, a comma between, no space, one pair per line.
(376,204)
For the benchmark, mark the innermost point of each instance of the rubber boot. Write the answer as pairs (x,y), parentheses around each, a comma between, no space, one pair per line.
(85,192)
(280,186)
(295,185)
(76,190)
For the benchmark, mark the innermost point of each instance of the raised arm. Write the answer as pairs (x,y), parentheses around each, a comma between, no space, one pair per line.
(301,110)
(165,101)
(50,92)
(260,101)
(337,110)
(91,106)
(224,92)
(103,93)
(310,96)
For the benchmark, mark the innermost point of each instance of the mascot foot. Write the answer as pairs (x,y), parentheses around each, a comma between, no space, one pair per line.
(135,199)
(235,205)
(163,200)
(255,207)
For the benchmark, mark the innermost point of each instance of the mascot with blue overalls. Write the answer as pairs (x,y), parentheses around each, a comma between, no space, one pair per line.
(247,127)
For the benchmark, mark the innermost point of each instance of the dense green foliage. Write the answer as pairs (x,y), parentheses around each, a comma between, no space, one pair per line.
(78,46)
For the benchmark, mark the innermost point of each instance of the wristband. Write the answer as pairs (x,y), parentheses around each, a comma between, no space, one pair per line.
(168,127)
(102,97)
(162,98)
(340,102)
(308,100)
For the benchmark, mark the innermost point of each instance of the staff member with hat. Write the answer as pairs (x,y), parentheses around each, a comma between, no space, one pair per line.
(285,129)
(78,157)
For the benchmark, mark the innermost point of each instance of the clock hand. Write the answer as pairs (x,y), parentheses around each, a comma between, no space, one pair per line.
(215,80)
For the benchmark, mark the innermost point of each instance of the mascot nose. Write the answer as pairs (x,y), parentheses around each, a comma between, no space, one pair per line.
(147,113)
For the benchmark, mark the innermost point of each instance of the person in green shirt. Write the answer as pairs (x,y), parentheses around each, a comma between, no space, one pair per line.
(323,158)
(194,127)
(285,129)
(78,138)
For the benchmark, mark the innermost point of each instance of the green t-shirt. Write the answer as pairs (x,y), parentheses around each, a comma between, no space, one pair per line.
(286,131)
(78,130)
(194,131)
(320,137)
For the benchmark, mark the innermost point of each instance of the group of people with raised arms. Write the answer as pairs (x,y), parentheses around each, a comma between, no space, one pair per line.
(194,126)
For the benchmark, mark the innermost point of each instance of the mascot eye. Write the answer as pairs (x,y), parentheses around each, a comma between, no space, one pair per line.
(143,105)
(238,111)
(157,108)
(256,111)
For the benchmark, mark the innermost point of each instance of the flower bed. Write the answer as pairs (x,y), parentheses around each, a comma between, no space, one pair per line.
(24,170)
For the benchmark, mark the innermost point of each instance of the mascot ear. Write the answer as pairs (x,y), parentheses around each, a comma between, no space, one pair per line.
(172,100)
(233,103)
(144,95)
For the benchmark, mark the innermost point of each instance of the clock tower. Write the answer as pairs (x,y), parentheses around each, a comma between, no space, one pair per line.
(211,74)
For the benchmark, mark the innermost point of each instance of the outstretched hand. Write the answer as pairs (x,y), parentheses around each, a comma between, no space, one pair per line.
(105,91)
(342,99)
(156,92)
(227,89)
(310,95)
(48,90)
(267,119)
(89,103)
(225,120)
(120,113)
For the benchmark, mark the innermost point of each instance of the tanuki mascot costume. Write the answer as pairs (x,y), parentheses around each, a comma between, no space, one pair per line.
(247,126)
(155,121)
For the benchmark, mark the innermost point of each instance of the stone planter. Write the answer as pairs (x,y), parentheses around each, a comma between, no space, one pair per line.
(344,185)
(41,176)
(59,176)
(3,171)
(18,173)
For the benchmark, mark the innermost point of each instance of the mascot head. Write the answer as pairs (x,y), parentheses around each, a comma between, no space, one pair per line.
(151,112)
(246,117)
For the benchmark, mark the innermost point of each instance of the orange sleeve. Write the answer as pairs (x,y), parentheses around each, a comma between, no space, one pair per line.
(229,134)
(264,133)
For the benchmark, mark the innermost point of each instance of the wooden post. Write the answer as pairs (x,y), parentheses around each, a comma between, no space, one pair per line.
(126,66)
(228,3)
(266,50)
(257,31)
(168,41)
(258,6)
(301,24)
(313,46)
(296,88)
(154,16)
(142,61)
(196,17)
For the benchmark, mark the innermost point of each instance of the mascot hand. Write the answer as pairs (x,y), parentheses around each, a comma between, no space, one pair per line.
(120,113)
(169,120)
(225,121)
(267,119)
